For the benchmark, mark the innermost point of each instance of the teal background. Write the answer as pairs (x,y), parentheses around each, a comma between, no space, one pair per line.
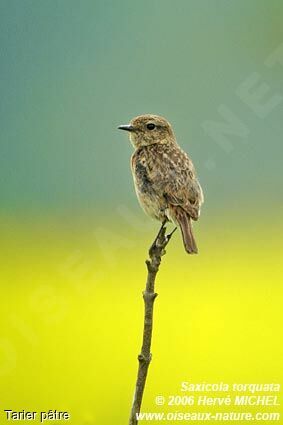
(72,71)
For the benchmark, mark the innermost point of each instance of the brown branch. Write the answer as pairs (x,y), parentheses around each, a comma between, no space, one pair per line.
(156,251)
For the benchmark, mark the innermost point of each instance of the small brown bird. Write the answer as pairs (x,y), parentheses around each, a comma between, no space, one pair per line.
(164,175)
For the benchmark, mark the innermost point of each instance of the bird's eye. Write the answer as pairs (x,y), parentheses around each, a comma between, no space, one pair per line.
(150,126)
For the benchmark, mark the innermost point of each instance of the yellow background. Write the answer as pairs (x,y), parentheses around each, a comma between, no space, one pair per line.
(72,310)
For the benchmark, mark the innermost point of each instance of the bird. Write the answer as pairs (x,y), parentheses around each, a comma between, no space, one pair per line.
(164,176)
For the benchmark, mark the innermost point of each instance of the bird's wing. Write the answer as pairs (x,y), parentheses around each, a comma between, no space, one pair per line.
(183,188)
(190,207)
(169,171)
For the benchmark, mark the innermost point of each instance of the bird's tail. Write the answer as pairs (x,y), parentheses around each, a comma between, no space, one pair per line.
(184,221)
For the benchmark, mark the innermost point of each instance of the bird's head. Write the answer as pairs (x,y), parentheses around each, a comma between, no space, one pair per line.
(149,129)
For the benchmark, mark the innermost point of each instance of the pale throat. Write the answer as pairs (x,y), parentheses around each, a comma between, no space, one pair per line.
(138,142)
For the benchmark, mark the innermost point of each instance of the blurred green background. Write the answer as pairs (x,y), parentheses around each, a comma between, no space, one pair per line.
(73,236)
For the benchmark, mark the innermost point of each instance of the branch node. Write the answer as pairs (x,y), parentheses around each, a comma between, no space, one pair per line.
(149,296)
(150,266)
(142,358)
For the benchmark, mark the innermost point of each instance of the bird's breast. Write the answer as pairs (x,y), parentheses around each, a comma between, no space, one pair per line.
(149,198)
(142,179)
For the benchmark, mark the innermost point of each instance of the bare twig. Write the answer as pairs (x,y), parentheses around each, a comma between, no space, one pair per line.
(156,251)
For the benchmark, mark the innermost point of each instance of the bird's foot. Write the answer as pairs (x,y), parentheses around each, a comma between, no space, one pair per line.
(169,236)
(159,240)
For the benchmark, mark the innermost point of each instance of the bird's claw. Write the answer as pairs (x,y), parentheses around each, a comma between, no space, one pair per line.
(169,236)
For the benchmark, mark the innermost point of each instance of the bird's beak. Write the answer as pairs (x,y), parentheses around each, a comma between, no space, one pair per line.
(127,127)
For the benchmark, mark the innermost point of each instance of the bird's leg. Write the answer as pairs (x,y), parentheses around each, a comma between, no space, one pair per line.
(153,246)
(169,236)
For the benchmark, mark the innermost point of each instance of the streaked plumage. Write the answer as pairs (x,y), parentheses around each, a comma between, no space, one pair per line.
(164,176)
